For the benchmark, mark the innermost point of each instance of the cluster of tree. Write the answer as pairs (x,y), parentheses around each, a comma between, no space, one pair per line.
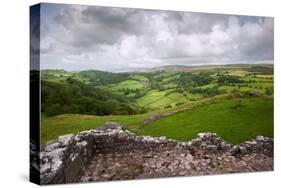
(269,91)
(126,91)
(154,84)
(102,78)
(76,97)
(261,69)
(189,80)
(228,79)
(206,92)
(140,93)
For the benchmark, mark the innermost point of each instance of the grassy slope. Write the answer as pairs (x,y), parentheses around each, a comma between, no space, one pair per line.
(138,78)
(127,84)
(256,117)
(55,126)
(52,127)
(157,99)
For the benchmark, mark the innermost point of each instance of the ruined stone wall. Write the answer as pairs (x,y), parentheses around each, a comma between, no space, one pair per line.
(66,159)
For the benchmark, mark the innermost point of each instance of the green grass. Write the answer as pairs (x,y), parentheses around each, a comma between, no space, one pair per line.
(151,97)
(55,75)
(53,127)
(169,85)
(192,96)
(158,99)
(207,86)
(177,97)
(57,79)
(240,73)
(256,79)
(164,75)
(256,87)
(81,78)
(170,78)
(161,103)
(235,126)
(139,78)
(127,84)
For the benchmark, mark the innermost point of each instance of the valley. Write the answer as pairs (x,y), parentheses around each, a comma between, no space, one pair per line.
(235,101)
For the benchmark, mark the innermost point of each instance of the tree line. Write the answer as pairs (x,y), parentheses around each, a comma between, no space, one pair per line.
(76,97)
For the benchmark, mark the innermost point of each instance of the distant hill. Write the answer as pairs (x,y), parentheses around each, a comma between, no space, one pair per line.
(184,68)
(103,93)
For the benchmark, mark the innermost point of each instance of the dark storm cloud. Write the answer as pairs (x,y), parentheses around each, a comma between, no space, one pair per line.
(100,25)
(120,38)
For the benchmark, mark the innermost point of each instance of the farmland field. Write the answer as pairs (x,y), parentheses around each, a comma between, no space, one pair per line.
(234,125)
(236,102)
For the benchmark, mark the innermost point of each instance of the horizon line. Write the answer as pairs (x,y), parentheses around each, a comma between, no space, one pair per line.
(147,68)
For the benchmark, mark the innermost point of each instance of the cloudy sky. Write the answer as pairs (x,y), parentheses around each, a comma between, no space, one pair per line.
(117,39)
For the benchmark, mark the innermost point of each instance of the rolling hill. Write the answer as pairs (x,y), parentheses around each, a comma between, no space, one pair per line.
(197,99)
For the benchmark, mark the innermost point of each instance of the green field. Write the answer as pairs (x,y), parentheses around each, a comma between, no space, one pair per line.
(53,127)
(139,78)
(159,99)
(234,125)
(128,84)
(236,102)
(254,118)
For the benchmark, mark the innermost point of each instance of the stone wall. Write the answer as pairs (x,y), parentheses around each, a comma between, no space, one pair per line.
(75,158)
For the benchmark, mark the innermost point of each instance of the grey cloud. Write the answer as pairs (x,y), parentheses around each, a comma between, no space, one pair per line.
(122,38)
(187,23)
(100,25)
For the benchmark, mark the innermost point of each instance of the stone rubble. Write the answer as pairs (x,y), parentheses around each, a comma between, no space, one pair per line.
(112,153)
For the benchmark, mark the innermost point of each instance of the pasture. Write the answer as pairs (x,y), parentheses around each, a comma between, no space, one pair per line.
(199,99)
